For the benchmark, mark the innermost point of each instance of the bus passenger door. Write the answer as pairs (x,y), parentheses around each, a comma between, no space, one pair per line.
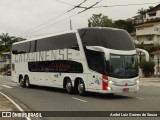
(96,65)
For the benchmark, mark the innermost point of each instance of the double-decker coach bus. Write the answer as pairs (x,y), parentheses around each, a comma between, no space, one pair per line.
(99,60)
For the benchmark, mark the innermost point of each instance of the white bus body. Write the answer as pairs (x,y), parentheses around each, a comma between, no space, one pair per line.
(99,60)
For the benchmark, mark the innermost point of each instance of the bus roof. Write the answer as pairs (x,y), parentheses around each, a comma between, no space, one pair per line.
(109,28)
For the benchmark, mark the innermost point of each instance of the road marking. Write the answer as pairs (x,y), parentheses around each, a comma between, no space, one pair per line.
(139,98)
(18,107)
(6,86)
(78,99)
(13,84)
(19,86)
(144,85)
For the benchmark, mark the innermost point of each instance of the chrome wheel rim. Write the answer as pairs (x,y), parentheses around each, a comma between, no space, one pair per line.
(27,83)
(21,81)
(68,86)
(80,87)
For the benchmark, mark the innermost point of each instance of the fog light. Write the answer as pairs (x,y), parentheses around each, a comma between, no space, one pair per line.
(109,88)
(110,82)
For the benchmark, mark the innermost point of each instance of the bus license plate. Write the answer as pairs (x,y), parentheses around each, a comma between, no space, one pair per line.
(125,89)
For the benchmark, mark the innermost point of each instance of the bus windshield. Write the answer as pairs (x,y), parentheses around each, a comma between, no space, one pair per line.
(123,66)
(107,38)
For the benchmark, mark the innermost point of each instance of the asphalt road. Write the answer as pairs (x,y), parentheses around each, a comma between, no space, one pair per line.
(51,99)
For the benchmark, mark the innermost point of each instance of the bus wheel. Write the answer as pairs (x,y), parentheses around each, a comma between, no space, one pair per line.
(27,83)
(69,87)
(110,94)
(21,81)
(81,87)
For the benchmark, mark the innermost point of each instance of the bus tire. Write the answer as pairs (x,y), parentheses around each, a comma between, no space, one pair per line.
(81,87)
(69,87)
(27,83)
(21,81)
(110,94)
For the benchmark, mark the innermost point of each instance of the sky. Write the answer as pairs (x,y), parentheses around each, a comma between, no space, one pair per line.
(21,17)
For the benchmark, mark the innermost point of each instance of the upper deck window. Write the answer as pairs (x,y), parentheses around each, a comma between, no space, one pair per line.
(108,38)
(21,48)
(65,41)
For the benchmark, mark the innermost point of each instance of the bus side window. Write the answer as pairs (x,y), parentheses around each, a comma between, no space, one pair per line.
(95,60)
(65,41)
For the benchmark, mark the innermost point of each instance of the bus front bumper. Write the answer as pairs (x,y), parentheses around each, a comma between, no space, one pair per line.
(121,89)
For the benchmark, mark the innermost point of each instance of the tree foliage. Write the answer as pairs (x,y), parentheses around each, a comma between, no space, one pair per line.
(126,25)
(99,20)
(5,38)
(142,13)
(6,41)
(150,48)
(153,48)
(147,67)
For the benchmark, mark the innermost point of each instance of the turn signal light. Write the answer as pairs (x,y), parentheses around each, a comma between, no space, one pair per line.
(105,78)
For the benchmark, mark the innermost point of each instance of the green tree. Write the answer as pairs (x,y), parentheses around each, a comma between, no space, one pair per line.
(5,38)
(142,12)
(126,25)
(99,20)
(15,39)
(153,48)
(120,24)
(7,41)
(147,67)
(2,47)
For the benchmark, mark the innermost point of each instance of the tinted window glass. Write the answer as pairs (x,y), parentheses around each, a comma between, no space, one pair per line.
(14,49)
(96,60)
(58,42)
(33,47)
(21,48)
(108,38)
(89,37)
(123,66)
(56,66)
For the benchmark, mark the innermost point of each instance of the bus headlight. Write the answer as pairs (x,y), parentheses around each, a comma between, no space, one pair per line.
(110,82)
(137,81)
(109,88)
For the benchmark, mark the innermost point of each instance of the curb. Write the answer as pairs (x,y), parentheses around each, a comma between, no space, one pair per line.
(150,79)
(6,104)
